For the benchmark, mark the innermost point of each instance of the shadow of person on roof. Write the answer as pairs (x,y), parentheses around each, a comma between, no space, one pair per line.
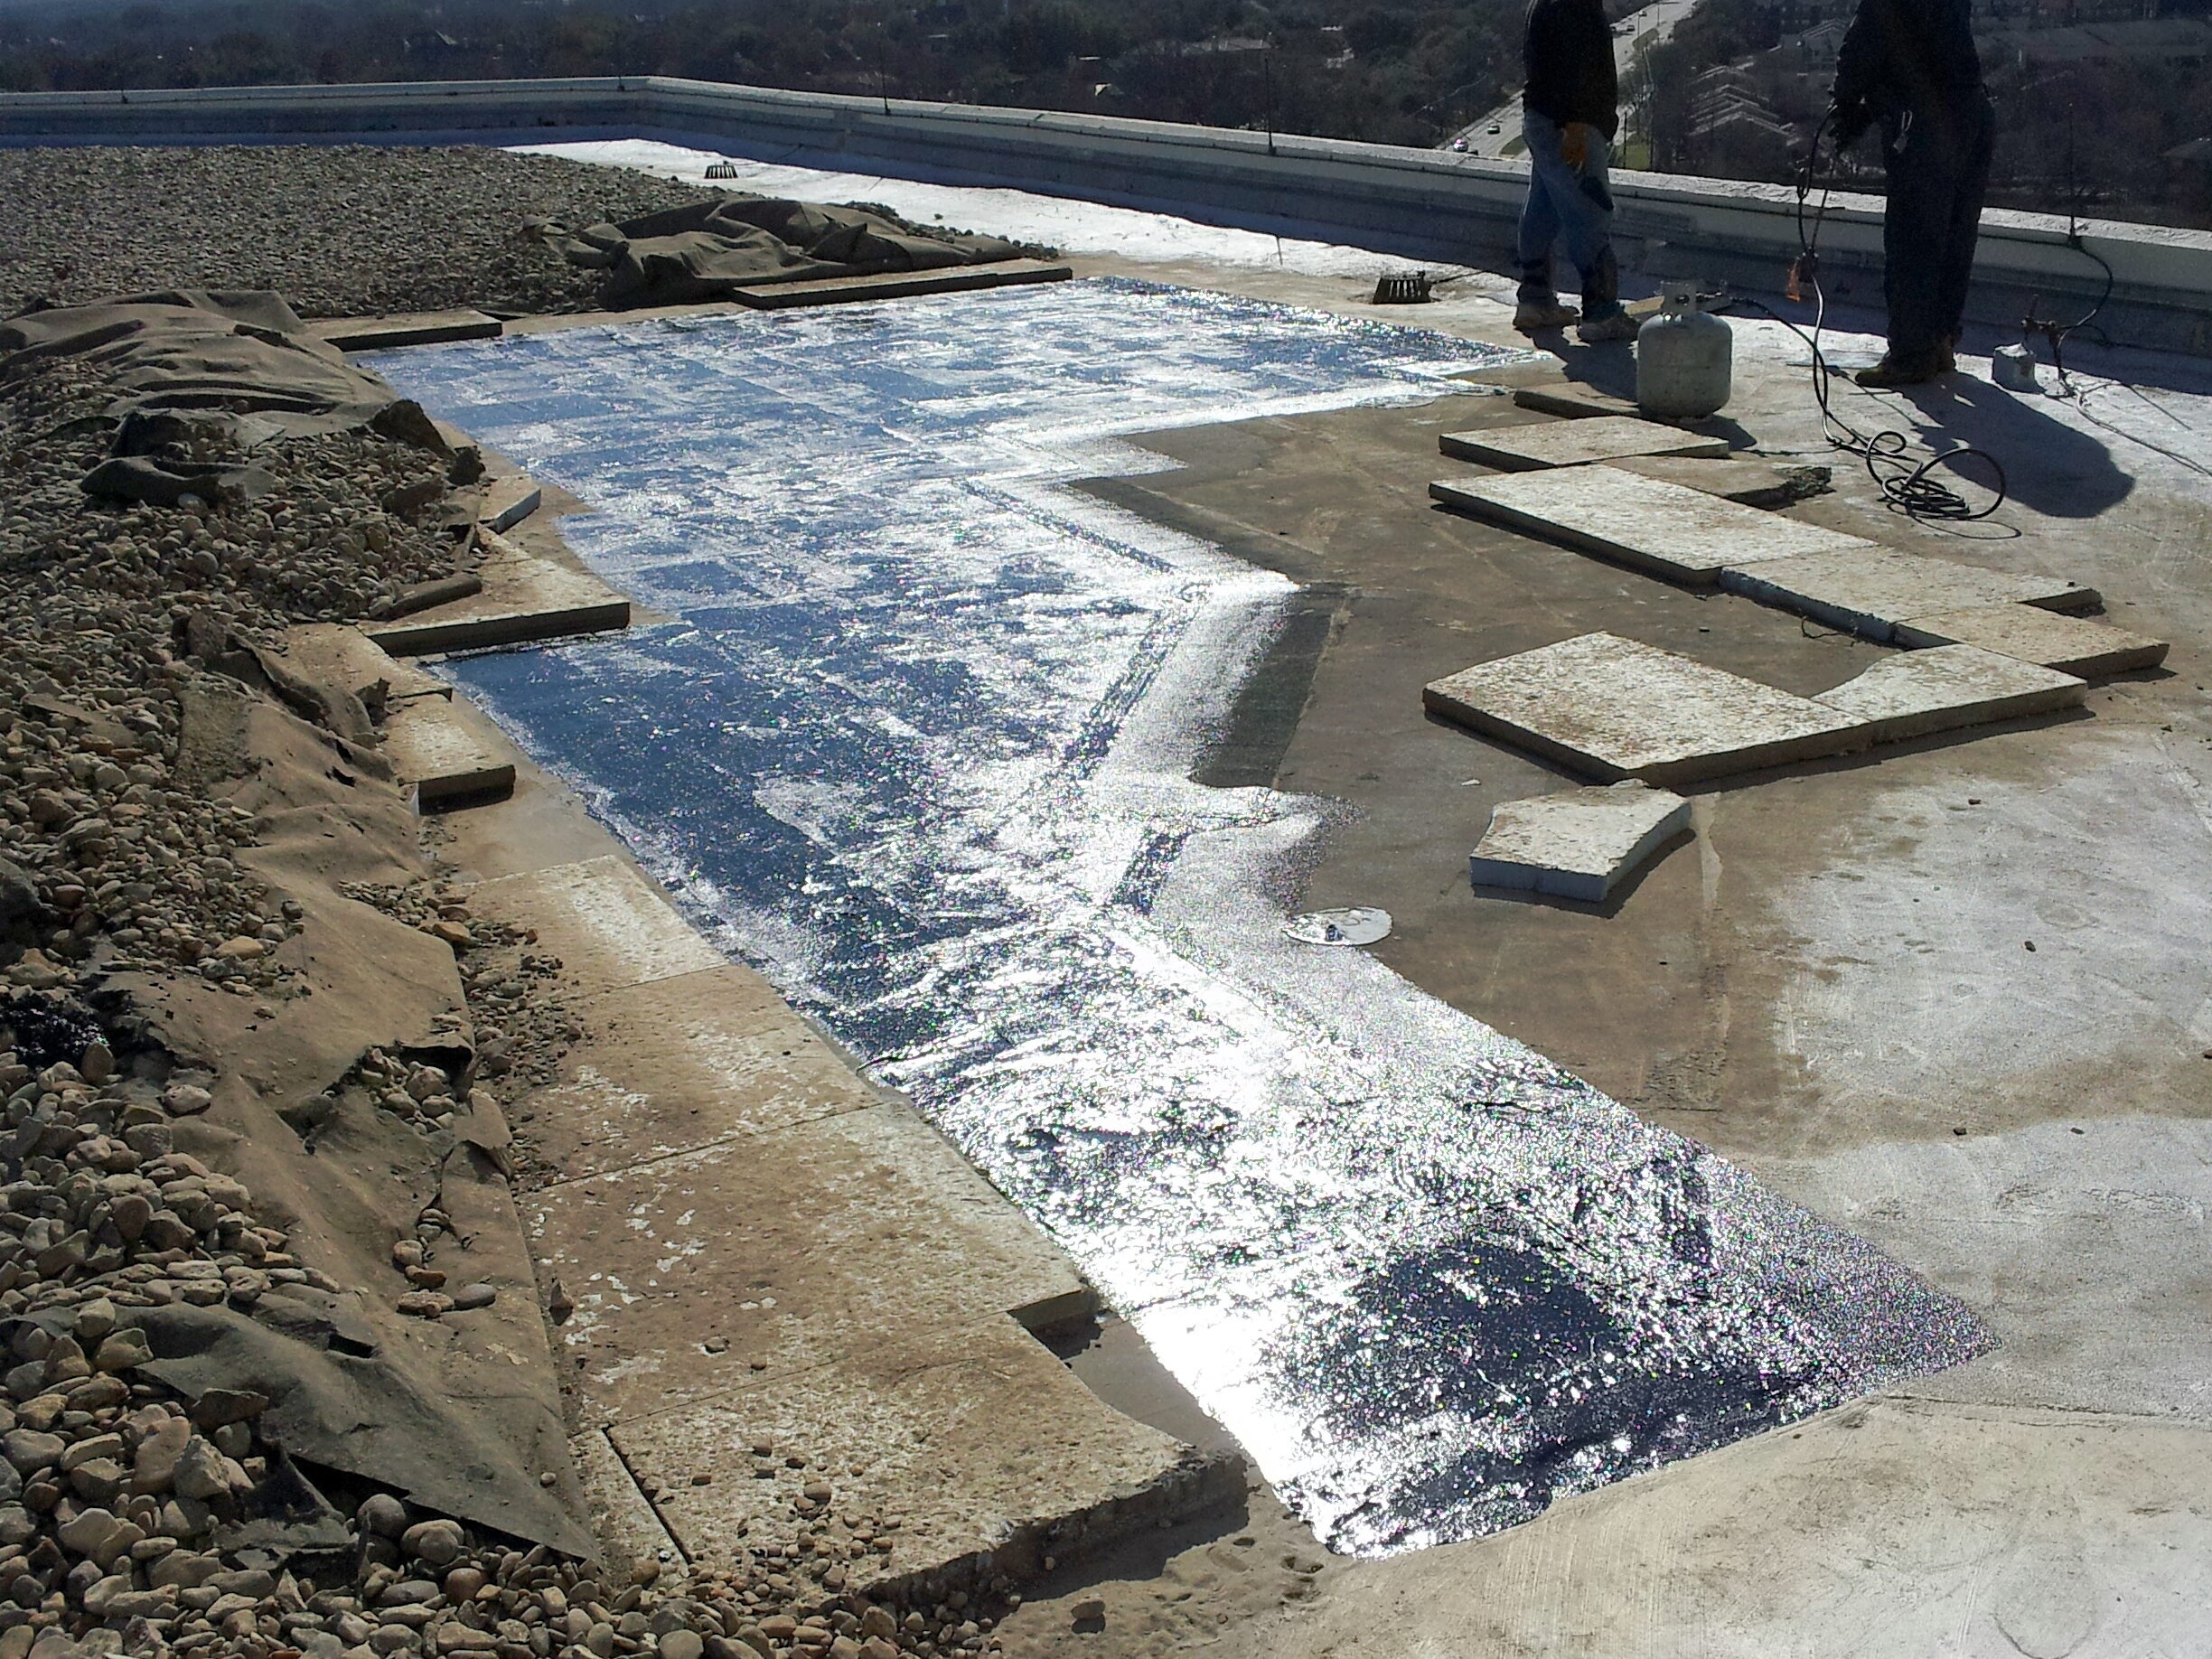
(2049,465)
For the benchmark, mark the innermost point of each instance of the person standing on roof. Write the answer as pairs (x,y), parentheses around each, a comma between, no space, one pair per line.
(1569,111)
(1910,68)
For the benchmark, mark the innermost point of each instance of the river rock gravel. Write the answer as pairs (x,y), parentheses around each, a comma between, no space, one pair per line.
(339,230)
(118,859)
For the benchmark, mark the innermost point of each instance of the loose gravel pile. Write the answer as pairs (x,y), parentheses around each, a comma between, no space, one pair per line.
(114,1490)
(98,838)
(350,231)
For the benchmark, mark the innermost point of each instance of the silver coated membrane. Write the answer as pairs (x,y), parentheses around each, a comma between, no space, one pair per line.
(920,747)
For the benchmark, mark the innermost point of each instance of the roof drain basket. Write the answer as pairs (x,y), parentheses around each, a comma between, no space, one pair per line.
(1405,289)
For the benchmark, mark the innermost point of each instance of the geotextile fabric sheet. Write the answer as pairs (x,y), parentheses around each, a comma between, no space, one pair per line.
(710,249)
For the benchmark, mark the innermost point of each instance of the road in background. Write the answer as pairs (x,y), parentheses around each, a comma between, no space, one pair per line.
(1497,134)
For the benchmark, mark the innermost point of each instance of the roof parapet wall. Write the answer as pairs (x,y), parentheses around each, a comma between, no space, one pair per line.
(1422,205)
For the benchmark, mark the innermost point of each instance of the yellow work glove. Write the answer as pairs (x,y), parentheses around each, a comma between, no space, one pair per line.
(1575,143)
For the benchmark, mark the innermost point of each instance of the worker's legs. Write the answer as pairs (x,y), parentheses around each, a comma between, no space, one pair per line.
(1577,209)
(1927,171)
(1540,224)
(1978,140)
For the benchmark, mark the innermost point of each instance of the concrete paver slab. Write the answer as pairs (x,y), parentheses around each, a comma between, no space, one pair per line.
(856,1231)
(1752,483)
(524,598)
(609,925)
(1868,590)
(447,757)
(624,1521)
(1576,442)
(344,656)
(1571,399)
(413,328)
(508,501)
(977,1443)
(1579,844)
(1946,686)
(1615,709)
(2071,644)
(677,1065)
(899,285)
(1666,529)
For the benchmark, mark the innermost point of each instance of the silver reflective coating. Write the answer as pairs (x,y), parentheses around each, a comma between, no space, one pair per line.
(921,747)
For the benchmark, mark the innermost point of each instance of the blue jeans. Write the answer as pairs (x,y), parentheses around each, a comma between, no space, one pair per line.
(1570,204)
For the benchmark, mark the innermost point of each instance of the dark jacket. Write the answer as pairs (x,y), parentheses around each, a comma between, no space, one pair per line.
(1901,55)
(1566,52)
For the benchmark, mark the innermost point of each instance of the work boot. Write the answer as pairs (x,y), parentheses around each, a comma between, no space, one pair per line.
(1536,316)
(1597,330)
(1908,369)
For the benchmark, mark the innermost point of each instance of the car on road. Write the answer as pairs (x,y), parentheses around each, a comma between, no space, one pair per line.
(1460,143)
(1495,127)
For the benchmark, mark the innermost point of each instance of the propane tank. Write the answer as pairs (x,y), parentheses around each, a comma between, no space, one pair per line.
(1684,358)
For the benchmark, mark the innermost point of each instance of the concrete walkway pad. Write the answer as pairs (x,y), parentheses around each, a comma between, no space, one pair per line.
(448,757)
(1752,483)
(1571,399)
(899,285)
(974,1442)
(609,925)
(676,1066)
(1949,686)
(2071,644)
(1576,442)
(1868,590)
(347,658)
(856,1231)
(415,328)
(1578,844)
(525,598)
(508,501)
(1666,529)
(1615,708)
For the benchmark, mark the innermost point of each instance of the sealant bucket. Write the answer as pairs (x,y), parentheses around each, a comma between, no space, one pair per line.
(1685,360)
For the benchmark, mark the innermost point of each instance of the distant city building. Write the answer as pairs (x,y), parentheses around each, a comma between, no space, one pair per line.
(2184,42)
(1789,17)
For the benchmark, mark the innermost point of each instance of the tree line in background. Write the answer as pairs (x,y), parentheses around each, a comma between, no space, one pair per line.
(1729,95)
(2093,138)
(1408,73)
